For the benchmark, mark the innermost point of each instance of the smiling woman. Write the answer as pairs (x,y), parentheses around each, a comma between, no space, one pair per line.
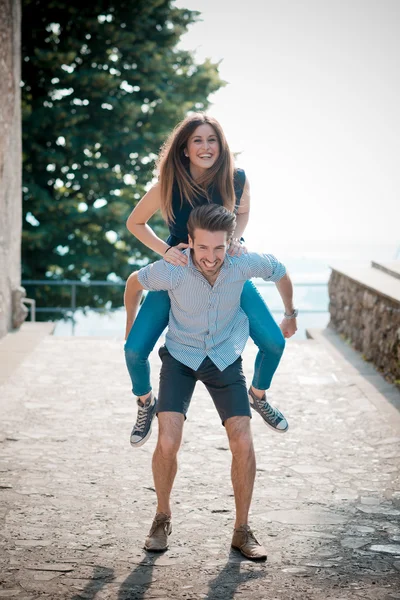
(202,149)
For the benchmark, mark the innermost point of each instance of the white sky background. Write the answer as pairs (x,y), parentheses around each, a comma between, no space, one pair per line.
(313,105)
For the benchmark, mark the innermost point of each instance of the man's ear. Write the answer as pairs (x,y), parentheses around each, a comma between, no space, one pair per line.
(191,243)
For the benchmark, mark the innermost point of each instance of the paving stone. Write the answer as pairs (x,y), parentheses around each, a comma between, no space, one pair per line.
(301,571)
(51,567)
(82,499)
(386,548)
(302,516)
(370,501)
(355,542)
(309,469)
(379,510)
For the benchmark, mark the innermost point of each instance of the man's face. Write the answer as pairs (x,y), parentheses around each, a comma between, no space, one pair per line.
(209,249)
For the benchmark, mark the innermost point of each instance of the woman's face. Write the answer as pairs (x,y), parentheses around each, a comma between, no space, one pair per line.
(202,148)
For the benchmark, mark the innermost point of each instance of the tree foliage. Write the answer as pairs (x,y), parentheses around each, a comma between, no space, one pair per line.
(103,84)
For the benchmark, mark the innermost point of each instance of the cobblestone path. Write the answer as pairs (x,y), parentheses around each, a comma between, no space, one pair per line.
(77,500)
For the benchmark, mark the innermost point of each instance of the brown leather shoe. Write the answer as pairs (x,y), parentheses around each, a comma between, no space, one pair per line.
(157,540)
(245,541)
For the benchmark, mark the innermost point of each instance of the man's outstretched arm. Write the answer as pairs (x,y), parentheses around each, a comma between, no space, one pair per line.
(132,296)
(285,289)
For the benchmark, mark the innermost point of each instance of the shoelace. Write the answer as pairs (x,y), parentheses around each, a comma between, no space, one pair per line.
(159,525)
(270,412)
(142,416)
(251,536)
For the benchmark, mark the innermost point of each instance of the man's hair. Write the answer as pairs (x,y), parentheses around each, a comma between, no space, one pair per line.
(211,217)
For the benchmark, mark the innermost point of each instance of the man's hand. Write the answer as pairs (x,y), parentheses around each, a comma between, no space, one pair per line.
(174,256)
(288,327)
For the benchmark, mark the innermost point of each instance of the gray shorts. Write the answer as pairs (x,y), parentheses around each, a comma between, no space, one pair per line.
(227,388)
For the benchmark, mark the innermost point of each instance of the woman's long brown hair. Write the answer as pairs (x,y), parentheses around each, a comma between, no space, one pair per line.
(173,164)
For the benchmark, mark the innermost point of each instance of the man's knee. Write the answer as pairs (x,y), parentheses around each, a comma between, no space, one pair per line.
(170,427)
(168,445)
(239,435)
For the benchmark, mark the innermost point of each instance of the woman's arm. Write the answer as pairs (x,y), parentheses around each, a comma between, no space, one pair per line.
(137,220)
(132,296)
(137,224)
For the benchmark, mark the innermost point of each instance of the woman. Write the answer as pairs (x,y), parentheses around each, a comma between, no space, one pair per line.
(195,167)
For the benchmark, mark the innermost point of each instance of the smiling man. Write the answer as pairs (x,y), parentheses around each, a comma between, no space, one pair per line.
(206,335)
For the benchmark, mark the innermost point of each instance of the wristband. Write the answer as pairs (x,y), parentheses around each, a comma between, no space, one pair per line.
(169,248)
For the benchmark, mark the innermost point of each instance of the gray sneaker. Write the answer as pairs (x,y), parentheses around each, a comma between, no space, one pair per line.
(142,429)
(157,540)
(271,416)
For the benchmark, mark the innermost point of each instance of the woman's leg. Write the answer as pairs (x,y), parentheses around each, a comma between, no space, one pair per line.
(265,333)
(149,324)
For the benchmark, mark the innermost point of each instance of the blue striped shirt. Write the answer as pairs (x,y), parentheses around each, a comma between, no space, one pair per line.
(207,320)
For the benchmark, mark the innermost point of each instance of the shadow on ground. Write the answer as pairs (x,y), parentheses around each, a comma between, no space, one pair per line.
(101,576)
(139,580)
(225,584)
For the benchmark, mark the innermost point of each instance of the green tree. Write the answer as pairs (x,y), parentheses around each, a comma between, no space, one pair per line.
(103,84)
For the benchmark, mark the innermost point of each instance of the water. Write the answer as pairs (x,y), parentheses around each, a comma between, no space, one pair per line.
(306,263)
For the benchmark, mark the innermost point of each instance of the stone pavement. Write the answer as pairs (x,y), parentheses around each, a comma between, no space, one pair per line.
(77,500)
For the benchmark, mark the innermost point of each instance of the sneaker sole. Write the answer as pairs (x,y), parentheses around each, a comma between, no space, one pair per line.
(259,558)
(267,424)
(143,441)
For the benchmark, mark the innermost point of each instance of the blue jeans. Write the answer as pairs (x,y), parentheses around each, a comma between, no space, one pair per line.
(153,317)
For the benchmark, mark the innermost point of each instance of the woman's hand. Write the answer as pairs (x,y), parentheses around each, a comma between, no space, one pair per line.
(236,248)
(174,256)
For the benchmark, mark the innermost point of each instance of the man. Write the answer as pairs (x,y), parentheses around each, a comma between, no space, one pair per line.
(206,335)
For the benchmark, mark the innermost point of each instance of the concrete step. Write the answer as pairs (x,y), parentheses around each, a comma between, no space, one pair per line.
(376,279)
(391,268)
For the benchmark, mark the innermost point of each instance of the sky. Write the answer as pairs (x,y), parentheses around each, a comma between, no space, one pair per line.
(312,105)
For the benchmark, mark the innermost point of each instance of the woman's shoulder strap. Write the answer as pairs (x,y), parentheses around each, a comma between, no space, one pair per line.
(239,179)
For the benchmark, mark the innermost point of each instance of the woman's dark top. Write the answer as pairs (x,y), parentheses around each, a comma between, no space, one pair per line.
(178,230)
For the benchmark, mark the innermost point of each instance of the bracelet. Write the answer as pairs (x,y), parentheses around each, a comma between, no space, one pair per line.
(169,248)
(293,315)
(236,240)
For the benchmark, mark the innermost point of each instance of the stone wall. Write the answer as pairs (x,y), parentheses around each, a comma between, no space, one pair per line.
(11,313)
(369,321)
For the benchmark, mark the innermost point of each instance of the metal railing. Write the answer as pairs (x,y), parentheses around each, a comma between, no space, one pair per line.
(75,283)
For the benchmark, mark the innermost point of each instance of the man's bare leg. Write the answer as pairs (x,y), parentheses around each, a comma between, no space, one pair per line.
(165,466)
(243,475)
(165,463)
(243,470)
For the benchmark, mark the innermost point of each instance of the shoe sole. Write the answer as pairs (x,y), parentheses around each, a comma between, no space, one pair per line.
(267,424)
(143,441)
(259,558)
(156,551)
